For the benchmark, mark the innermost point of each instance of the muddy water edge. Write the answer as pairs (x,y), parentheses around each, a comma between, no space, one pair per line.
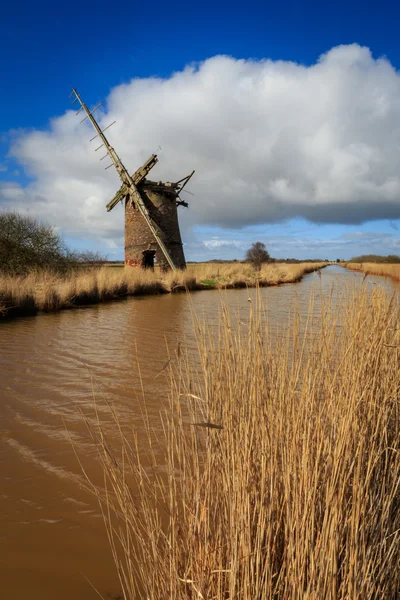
(52,538)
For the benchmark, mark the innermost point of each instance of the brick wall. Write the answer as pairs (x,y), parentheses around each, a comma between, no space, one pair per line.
(138,237)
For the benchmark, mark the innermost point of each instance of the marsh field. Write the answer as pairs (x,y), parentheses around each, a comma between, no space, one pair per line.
(43,291)
(385,270)
(240,443)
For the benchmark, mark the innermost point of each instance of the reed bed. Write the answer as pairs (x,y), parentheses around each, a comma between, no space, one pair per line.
(41,291)
(274,472)
(384,269)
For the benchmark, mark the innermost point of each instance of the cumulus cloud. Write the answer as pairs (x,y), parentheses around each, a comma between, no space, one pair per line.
(270,140)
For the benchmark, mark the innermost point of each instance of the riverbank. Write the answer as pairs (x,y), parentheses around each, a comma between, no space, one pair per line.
(44,292)
(383,269)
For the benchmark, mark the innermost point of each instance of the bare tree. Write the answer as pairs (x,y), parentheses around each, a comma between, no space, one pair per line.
(26,243)
(88,258)
(257,254)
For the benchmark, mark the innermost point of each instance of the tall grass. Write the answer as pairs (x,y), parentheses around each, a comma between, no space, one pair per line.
(387,270)
(48,292)
(274,472)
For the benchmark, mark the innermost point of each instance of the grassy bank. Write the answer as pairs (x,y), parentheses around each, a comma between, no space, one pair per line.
(276,474)
(45,292)
(386,270)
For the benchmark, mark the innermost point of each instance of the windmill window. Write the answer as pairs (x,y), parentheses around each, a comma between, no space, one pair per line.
(148,259)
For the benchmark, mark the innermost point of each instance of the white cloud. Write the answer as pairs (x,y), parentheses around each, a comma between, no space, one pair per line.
(269,140)
(213,243)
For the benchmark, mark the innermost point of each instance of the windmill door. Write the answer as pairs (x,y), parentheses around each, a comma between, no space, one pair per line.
(148,259)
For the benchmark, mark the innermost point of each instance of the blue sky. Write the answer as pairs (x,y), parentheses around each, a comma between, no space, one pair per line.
(48,48)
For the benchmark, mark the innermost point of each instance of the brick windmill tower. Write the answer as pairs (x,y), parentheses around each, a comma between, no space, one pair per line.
(151,215)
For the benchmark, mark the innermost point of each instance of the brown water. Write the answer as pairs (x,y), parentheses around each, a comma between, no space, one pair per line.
(52,538)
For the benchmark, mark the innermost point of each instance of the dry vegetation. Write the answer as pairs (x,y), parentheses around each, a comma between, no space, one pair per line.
(277,472)
(387,270)
(49,292)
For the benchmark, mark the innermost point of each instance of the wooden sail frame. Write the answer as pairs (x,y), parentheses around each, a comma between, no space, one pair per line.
(128,182)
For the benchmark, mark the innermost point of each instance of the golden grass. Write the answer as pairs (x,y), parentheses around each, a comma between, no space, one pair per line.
(47,292)
(240,275)
(386,270)
(277,472)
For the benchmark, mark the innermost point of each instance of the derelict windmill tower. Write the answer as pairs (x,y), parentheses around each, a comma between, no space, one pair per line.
(151,215)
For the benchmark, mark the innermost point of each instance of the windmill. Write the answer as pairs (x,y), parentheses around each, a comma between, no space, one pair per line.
(151,215)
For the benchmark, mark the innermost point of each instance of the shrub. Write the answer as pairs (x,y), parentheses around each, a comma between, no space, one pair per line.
(26,244)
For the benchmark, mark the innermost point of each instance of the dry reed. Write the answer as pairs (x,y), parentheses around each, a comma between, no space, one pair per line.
(384,269)
(277,472)
(41,291)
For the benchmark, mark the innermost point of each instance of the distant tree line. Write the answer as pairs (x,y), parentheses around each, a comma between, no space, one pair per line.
(28,244)
(375,258)
(270,260)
